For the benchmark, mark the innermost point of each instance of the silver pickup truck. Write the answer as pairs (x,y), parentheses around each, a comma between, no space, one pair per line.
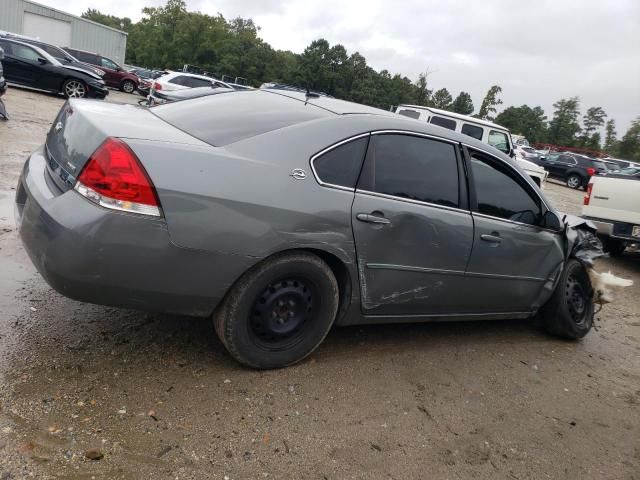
(612,203)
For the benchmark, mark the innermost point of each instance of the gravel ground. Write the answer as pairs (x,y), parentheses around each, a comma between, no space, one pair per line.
(154,396)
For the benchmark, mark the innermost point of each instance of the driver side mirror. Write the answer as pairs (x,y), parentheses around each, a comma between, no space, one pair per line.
(42,61)
(551,221)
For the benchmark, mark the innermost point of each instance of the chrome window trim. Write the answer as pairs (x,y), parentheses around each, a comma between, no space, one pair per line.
(410,200)
(415,134)
(328,149)
(512,169)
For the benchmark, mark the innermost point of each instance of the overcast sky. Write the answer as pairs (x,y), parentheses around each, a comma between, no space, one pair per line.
(537,51)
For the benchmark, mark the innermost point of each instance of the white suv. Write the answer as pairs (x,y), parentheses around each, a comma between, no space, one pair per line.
(487,132)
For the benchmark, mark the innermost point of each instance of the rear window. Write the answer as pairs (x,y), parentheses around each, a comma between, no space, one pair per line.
(598,165)
(230,117)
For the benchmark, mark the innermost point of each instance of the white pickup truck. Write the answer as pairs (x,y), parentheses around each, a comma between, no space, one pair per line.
(612,203)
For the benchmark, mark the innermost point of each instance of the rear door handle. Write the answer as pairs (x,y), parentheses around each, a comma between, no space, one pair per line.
(493,238)
(369,218)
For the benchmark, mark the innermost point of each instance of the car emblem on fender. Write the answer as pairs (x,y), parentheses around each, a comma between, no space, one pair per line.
(58,127)
(298,174)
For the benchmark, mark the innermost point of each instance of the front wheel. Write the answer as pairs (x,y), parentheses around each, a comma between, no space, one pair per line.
(569,312)
(574,181)
(73,88)
(128,86)
(279,311)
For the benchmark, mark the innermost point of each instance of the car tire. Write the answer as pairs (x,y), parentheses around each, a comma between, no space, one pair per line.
(574,181)
(74,88)
(613,246)
(128,86)
(569,312)
(279,311)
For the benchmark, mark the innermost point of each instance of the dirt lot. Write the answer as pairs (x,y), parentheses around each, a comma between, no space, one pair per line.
(158,397)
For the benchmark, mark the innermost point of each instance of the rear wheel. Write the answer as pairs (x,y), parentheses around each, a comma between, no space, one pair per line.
(73,88)
(569,312)
(278,312)
(574,181)
(128,86)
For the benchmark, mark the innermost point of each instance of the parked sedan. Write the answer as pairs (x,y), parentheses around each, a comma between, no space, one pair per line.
(280,214)
(30,66)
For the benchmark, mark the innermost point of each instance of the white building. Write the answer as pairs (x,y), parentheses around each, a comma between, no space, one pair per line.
(49,25)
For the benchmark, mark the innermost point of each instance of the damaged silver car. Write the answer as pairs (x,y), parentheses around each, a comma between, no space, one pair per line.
(280,214)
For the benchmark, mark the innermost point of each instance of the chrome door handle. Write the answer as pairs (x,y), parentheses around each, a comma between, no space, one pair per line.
(367,217)
(491,238)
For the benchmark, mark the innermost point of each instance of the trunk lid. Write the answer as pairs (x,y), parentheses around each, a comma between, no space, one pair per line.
(82,125)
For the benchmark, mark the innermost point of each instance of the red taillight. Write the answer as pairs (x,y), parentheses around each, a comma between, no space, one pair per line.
(114,178)
(591,171)
(157,86)
(587,196)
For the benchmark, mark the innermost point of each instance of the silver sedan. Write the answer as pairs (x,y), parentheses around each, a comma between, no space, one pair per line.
(280,214)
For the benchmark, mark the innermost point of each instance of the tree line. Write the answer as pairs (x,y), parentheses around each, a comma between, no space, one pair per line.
(170,36)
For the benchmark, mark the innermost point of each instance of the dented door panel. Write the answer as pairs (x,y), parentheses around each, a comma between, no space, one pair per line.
(413,261)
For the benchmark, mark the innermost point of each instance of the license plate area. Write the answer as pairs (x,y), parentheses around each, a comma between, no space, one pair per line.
(635,231)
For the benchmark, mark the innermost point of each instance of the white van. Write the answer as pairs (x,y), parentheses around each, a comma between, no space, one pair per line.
(487,132)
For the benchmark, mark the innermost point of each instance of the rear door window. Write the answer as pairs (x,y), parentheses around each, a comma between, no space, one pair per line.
(472,130)
(341,165)
(443,122)
(500,194)
(412,167)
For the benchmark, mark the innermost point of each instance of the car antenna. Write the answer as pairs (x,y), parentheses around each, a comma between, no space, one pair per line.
(311,94)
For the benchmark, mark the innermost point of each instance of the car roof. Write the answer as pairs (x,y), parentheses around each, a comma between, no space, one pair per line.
(276,111)
(458,116)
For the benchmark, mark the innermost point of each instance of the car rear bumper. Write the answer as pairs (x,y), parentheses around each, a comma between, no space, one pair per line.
(613,229)
(96,255)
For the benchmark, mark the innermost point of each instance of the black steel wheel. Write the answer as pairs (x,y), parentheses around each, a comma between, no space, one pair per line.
(569,311)
(279,311)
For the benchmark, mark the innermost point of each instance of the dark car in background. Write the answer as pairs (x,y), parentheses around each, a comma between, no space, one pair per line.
(58,53)
(3,89)
(114,75)
(573,169)
(30,66)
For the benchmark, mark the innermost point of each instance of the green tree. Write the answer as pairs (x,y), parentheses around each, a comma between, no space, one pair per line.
(629,147)
(564,126)
(489,103)
(463,104)
(121,23)
(442,99)
(610,139)
(423,94)
(524,120)
(592,121)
